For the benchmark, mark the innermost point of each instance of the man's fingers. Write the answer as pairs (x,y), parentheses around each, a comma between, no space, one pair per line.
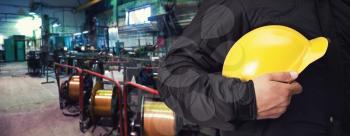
(277,110)
(285,77)
(274,116)
(274,92)
(295,88)
(273,113)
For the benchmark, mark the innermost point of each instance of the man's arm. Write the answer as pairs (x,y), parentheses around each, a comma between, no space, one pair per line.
(190,82)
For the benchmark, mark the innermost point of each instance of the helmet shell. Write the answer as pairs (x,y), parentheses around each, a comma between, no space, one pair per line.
(272,48)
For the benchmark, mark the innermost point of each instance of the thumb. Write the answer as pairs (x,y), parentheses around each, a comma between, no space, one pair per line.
(295,88)
(285,77)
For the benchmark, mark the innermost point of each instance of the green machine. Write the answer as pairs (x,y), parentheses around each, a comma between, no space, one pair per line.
(15,48)
(9,50)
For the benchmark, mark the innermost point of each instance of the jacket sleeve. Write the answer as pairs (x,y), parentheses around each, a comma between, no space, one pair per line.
(191,83)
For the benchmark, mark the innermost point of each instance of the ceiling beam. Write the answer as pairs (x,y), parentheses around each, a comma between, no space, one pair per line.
(87,4)
(13,5)
(13,14)
(6,22)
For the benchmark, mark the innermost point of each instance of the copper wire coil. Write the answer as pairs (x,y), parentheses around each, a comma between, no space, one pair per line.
(158,119)
(74,88)
(102,105)
(75,78)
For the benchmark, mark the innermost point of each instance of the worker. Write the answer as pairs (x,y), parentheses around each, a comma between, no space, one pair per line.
(274,104)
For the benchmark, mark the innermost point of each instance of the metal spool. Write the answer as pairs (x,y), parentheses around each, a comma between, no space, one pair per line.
(158,119)
(102,105)
(74,88)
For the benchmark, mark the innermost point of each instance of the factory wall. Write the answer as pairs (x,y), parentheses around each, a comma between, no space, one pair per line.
(134,36)
(137,39)
(70,21)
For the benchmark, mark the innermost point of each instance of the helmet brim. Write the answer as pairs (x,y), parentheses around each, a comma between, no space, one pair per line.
(317,50)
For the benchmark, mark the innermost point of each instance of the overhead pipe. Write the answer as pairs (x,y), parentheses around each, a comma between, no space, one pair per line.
(13,5)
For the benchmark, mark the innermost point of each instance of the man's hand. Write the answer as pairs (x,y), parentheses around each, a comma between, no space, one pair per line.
(274,92)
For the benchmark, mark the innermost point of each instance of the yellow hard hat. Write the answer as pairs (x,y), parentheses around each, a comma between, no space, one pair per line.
(272,48)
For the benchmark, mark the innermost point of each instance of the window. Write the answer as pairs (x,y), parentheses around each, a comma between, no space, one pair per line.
(139,16)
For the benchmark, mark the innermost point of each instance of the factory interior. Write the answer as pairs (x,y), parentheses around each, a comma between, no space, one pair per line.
(85,67)
(92,68)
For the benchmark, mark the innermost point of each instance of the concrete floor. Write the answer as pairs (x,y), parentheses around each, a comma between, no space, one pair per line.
(28,108)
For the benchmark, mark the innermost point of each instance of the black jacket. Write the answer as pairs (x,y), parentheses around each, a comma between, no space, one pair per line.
(191,82)
(341,18)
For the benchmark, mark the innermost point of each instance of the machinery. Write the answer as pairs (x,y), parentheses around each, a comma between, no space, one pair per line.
(33,63)
(70,90)
(134,109)
(94,103)
(104,105)
(154,118)
(15,48)
(147,114)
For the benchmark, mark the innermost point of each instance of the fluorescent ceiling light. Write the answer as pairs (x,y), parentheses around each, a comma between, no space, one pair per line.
(76,34)
(32,13)
(2,39)
(113,30)
(56,25)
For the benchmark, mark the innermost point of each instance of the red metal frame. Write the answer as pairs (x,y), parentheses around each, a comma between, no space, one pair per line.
(125,94)
(119,93)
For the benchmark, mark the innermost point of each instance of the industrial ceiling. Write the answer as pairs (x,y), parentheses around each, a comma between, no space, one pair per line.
(13,10)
